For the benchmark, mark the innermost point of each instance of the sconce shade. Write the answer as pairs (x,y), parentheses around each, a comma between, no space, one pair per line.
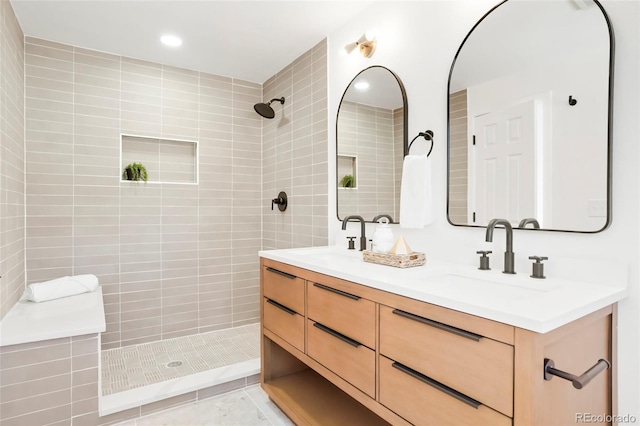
(366,47)
(350,47)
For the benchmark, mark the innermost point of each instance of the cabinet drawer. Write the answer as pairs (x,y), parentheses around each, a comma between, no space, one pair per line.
(284,288)
(423,401)
(344,312)
(474,365)
(284,322)
(351,360)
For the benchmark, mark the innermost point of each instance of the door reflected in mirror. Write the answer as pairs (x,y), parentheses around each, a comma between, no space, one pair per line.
(529,117)
(371,139)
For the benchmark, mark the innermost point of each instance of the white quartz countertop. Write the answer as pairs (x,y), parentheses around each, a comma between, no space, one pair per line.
(69,316)
(539,305)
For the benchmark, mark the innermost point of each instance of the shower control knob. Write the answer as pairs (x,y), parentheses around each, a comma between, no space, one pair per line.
(281,201)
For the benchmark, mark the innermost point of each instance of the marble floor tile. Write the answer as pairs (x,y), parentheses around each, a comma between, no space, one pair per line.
(245,407)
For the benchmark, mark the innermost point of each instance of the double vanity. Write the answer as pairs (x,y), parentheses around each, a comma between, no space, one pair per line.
(345,342)
(350,342)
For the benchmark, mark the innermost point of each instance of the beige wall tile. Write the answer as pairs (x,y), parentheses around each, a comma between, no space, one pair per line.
(180,225)
(51,415)
(33,372)
(22,407)
(12,149)
(35,387)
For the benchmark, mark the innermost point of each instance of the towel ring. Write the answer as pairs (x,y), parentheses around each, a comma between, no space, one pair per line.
(428,136)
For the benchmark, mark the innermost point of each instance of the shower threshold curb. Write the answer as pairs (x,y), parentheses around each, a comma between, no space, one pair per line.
(137,397)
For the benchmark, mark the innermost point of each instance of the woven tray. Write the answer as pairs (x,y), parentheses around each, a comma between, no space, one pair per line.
(397,260)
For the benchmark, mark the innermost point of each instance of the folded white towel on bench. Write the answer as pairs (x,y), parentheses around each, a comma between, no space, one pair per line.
(61,287)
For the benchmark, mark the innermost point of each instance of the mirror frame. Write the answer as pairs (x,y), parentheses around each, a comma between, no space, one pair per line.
(609,125)
(405,124)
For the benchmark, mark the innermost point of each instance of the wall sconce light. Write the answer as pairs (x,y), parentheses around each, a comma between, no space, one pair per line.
(366,44)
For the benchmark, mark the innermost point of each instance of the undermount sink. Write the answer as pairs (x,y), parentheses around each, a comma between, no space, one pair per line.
(508,287)
(443,277)
(329,252)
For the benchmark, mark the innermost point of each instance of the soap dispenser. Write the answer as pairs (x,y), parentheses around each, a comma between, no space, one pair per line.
(383,236)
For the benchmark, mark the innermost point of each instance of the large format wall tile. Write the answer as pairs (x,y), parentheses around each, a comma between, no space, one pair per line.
(12,159)
(294,153)
(173,259)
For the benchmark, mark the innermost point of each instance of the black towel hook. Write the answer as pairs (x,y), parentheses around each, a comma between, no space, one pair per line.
(427,135)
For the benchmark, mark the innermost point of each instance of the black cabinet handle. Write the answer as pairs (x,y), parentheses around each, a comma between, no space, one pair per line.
(337,335)
(284,308)
(336,291)
(284,274)
(437,385)
(439,325)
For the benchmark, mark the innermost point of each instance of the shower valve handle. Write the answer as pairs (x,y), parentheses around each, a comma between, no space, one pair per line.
(276,201)
(281,201)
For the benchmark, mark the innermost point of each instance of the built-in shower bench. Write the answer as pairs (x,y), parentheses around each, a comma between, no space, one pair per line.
(49,354)
(29,322)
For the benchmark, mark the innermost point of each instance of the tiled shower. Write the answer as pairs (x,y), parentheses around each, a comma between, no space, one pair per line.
(174,259)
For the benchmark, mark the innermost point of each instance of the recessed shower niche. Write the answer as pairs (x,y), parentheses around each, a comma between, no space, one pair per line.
(166,160)
(347,171)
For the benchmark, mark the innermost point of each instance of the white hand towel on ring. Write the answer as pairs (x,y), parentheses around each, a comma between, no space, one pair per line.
(61,287)
(416,194)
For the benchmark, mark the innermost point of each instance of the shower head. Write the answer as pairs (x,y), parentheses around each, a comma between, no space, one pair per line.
(265,110)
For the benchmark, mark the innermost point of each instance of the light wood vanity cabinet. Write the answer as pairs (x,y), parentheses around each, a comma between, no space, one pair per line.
(283,304)
(474,365)
(444,370)
(341,334)
(344,353)
(347,313)
(417,399)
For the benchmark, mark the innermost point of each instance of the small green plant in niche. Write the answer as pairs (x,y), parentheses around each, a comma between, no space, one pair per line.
(135,171)
(347,181)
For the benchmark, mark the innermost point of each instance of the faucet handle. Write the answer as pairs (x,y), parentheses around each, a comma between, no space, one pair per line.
(352,244)
(484,259)
(538,266)
(538,259)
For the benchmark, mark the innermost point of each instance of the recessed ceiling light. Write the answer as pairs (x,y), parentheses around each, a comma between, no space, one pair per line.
(361,85)
(170,40)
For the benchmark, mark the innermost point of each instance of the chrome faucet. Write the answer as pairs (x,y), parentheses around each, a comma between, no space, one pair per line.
(508,254)
(523,223)
(363,237)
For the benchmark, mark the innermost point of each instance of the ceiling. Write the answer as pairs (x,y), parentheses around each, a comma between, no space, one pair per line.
(248,40)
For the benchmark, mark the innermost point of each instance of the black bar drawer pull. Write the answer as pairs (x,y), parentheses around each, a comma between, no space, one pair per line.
(439,325)
(437,385)
(284,274)
(578,381)
(284,308)
(334,290)
(337,335)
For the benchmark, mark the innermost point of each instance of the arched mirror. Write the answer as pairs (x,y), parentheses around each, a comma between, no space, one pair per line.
(371,139)
(530,117)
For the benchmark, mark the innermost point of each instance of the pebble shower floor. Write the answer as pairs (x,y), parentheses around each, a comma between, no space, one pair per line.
(148,363)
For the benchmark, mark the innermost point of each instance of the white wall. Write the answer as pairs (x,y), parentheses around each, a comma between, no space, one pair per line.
(418,41)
